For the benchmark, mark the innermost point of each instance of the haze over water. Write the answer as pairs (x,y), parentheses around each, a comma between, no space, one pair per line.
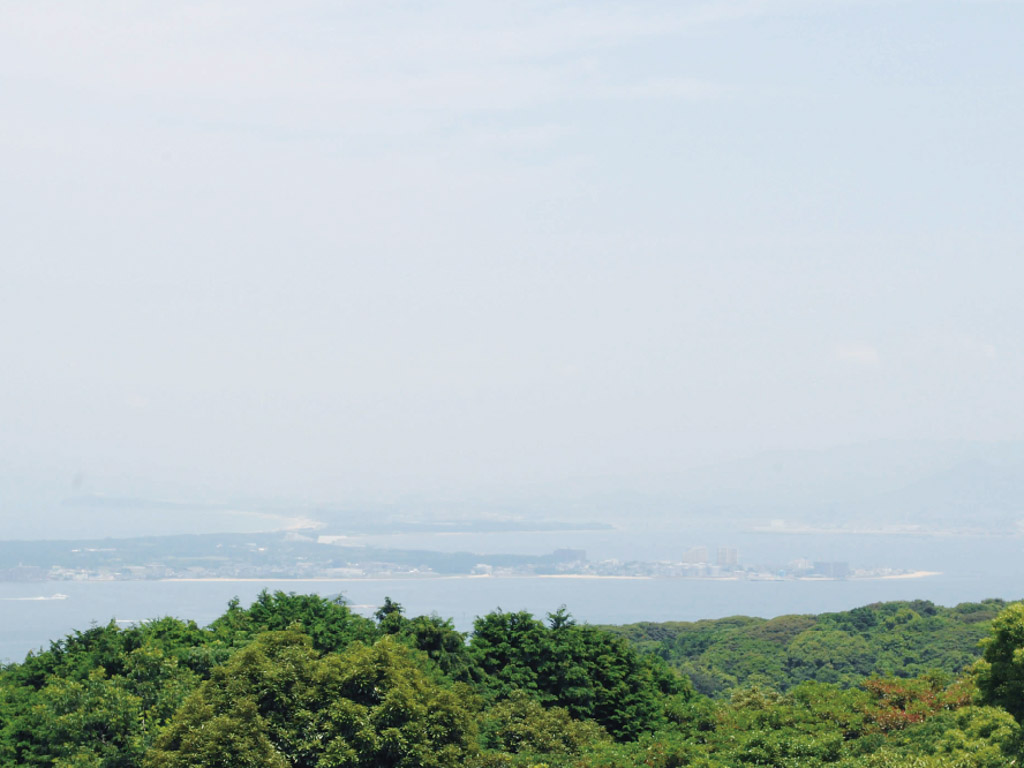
(687,269)
(975,572)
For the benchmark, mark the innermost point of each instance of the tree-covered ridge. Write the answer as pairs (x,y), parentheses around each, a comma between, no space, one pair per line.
(301,681)
(901,639)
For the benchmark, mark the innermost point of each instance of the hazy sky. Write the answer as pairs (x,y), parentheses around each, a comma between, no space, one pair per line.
(343,249)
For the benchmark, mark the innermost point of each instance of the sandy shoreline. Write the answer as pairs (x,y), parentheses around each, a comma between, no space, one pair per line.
(411,578)
(298,580)
(584,576)
(911,575)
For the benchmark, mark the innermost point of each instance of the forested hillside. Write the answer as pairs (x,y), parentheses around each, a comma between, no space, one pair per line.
(297,680)
(901,639)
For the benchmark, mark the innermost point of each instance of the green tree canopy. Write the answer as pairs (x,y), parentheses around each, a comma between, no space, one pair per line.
(281,702)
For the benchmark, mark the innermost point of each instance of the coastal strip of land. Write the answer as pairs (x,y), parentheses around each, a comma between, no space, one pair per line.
(581,576)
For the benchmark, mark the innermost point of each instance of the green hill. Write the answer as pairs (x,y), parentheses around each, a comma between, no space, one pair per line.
(901,639)
(299,681)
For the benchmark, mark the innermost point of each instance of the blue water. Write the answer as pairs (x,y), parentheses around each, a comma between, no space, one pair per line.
(972,569)
(29,624)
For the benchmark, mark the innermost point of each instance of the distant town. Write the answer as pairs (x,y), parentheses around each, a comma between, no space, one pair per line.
(299,556)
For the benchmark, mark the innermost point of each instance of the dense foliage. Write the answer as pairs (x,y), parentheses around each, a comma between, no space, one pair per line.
(901,639)
(301,681)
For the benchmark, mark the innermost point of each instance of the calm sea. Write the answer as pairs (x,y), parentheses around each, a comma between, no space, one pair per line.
(972,569)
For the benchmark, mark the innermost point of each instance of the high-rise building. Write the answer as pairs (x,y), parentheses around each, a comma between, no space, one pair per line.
(727,557)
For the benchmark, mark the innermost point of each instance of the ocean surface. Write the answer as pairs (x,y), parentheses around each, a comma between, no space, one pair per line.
(971,569)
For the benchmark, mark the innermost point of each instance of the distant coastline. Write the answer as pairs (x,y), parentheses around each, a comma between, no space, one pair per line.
(582,576)
(261,558)
(911,575)
(896,530)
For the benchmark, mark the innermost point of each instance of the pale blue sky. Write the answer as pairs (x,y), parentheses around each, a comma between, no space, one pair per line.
(338,250)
